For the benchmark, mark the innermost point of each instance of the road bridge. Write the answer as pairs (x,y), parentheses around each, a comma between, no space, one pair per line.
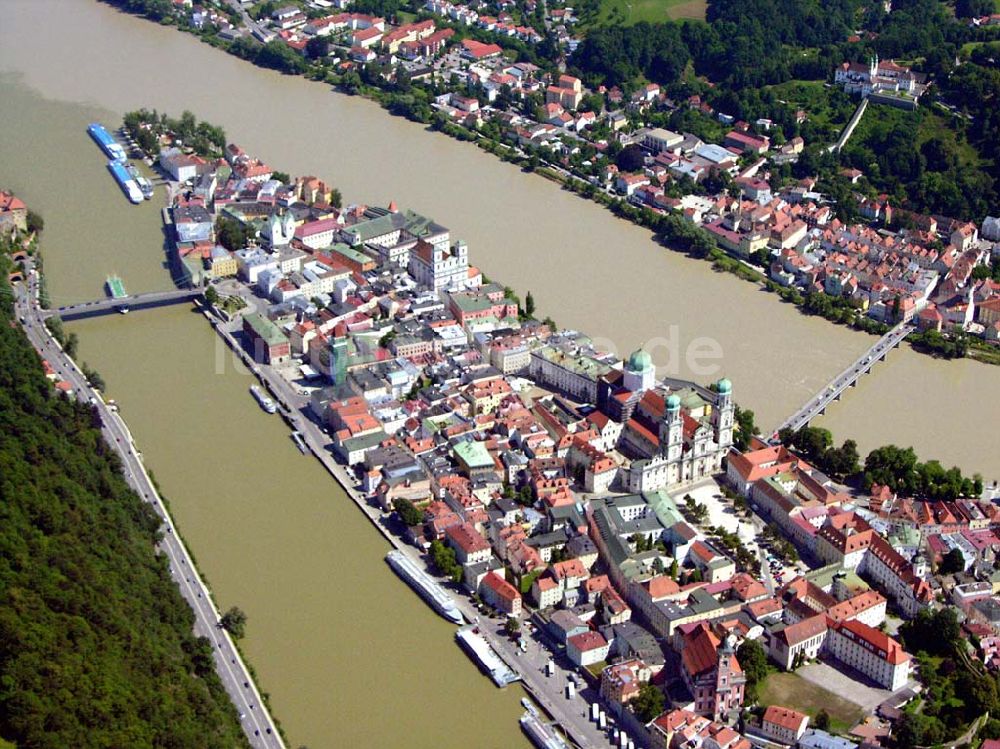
(133,302)
(846,379)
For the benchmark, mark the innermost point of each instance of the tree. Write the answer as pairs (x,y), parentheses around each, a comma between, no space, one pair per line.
(973,8)
(443,559)
(211,296)
(35,221)
(631,159)
(318,47)
(525,496)
(952,562)
(753,661)
(72,342)
(407,512)
(93,377)
(512,626)
(529,305)
(822,720)
(935,633)
(234,621)
(746,428)
(649,703)
(231,233)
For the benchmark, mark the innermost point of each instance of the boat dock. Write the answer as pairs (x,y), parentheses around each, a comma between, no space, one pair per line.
(116,287)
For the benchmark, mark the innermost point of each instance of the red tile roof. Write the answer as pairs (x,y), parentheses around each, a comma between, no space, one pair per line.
(784,717)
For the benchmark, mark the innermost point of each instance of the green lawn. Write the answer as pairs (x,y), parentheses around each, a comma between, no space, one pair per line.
(791,690)
(628,12)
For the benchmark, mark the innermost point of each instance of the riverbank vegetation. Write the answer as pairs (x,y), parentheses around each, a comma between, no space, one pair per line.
(895,467)
(148,128)
(97,643)
(816,445)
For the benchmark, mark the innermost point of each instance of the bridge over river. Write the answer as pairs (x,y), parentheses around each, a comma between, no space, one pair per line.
(133,302)
(846,379)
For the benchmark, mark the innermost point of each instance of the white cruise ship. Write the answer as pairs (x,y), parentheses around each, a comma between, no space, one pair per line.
(541,735)
(477,646)
(428,589)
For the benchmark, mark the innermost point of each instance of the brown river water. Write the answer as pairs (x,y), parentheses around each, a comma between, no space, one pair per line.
(348,654)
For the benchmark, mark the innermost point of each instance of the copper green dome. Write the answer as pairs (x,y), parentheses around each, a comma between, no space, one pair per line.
(725,386)
(640,361)
(673,402)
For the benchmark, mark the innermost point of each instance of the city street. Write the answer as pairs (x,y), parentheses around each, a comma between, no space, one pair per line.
(254,716)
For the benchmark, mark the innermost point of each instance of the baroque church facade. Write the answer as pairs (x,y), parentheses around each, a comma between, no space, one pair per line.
(674,434)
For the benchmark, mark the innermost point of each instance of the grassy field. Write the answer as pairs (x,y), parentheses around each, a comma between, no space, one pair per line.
(791,690)
(628,12)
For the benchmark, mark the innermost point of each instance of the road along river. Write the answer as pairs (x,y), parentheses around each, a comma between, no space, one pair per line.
(347,653)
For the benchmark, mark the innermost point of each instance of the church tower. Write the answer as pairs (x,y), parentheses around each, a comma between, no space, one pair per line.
(279,229)
(673,429)
(723,414)
(639,372)
(728,685)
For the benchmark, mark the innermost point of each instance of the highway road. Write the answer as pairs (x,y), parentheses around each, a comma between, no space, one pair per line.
(254,716)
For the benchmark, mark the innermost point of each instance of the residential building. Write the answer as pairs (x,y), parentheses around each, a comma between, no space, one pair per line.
(267,343)
(470,547)
(621,682)
(783,725)
(13,213)
(500,594)
(586,649)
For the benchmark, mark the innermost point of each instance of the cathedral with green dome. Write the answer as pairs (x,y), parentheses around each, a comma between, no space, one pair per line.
(671,432)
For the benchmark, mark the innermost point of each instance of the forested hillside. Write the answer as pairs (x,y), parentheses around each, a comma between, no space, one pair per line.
(96,644)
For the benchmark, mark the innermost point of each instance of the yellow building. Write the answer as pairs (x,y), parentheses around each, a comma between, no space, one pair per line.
(222,263)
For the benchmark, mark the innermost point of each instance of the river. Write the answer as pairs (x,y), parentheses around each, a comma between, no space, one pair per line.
(329,626)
